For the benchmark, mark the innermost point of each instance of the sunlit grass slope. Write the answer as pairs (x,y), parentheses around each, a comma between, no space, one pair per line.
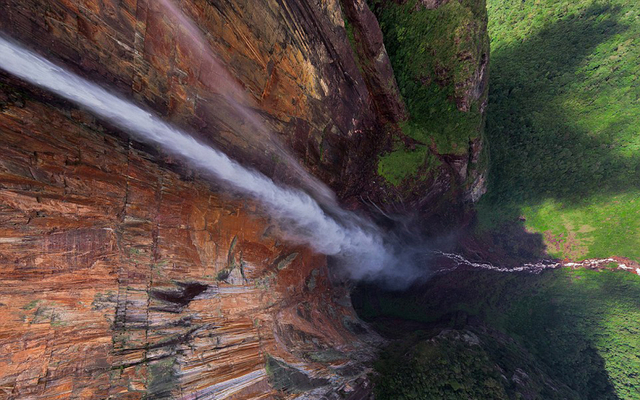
(564,123)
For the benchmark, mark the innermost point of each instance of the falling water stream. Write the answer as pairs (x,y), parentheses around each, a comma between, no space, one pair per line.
(357,241)
(241,105)
(365,252)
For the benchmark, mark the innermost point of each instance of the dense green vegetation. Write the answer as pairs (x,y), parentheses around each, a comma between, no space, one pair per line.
(448,366)
(564,107)
(401,162)
(562,125)
(574,333)
(434,53)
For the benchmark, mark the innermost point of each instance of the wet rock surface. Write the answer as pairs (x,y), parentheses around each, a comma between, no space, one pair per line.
(112,284)
(123,273)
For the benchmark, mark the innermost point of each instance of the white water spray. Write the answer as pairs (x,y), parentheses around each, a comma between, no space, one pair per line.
(241,104)
(303,221)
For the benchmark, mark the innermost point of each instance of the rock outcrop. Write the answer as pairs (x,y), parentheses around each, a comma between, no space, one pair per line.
(440,53)
(365,37)
(123,273)
(122,277)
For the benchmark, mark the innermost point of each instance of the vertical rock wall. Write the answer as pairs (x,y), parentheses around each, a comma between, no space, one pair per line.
(123,278)
(123,274)
(291,57)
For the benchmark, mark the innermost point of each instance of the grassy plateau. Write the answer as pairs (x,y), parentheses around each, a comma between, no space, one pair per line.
(563,124)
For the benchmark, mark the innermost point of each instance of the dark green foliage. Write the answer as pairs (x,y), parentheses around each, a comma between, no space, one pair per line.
(460,364)
(402,163)
(434,53)
(563,123)
(446,367)
(578,328)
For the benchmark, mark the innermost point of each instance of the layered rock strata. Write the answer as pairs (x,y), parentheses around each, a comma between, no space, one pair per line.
(122,278)
(292,58)
(123,274)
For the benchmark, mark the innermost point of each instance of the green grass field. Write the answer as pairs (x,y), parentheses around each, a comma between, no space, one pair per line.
(564,124)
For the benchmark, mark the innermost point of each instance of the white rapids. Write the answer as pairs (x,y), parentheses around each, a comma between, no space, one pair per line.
(533,268)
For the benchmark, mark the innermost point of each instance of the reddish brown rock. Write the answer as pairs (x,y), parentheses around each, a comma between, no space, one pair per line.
(125,275)
(292,58)
(373,61)
(121,279)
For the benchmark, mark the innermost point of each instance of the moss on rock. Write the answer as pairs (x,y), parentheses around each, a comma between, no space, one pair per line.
(439,56)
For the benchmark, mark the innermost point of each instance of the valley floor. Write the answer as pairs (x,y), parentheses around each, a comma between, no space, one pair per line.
(472,333)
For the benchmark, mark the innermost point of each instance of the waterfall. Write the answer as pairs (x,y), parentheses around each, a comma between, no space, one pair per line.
(355,240)
(241,105)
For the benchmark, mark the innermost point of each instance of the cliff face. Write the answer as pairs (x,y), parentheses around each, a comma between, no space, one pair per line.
(123,279)
(291,57)
(124,274)
(439,51)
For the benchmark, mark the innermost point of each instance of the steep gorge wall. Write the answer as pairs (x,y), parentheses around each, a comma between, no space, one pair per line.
(121,278)
(291,57)
(439,51)
(126,275)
